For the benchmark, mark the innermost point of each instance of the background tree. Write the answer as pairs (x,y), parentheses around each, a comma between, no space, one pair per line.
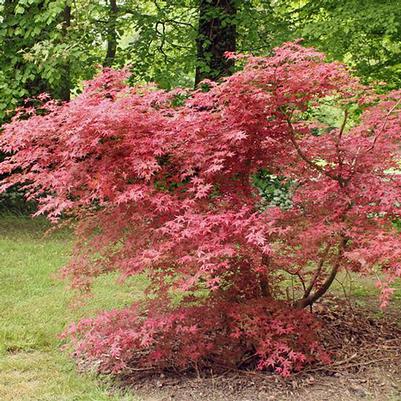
(112,34)
(167,42)
(21,28)
(64,88)
(217,34)
(366,35)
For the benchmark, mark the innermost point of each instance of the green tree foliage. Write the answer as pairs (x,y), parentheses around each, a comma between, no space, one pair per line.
(23,25)
(46,46)
(364,34)
(52,45)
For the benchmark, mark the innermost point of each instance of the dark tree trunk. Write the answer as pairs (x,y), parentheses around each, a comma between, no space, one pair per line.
(65,83)
(111,34)
(216,35)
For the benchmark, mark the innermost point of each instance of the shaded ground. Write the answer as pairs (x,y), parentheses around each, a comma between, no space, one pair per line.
(372,384)
(366,352)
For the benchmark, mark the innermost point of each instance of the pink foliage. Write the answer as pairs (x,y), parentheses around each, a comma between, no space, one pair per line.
(168,191)
(213,332)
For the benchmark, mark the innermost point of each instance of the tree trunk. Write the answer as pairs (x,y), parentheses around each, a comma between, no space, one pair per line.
(111,34)
(217,34)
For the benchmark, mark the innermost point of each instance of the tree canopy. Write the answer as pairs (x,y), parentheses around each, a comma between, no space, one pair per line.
(203,145)
(52,45)
(171,184)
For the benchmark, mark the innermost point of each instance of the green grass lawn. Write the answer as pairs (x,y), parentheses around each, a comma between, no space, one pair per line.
(34,309)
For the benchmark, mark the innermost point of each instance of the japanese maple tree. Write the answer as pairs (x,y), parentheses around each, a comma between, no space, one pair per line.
(175,186)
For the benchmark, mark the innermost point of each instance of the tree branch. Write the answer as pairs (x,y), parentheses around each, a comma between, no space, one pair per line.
(317,272)
(312,298)
(384,125)
(264,282)
(162,36)
(340,135)
(303,156)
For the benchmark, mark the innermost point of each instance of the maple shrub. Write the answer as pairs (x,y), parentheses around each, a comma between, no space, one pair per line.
(237,202)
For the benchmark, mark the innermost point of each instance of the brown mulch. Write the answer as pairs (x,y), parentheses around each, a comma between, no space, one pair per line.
(366,352)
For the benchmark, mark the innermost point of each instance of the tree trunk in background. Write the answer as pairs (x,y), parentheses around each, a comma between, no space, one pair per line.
(216,35)
(111,34)
(65,83)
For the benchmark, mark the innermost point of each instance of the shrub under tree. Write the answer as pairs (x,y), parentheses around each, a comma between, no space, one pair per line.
(181,187)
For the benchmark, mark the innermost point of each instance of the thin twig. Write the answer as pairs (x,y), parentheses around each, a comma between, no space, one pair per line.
(338,142)
(384,125)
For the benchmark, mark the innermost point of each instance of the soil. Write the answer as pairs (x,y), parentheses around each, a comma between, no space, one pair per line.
(366,352)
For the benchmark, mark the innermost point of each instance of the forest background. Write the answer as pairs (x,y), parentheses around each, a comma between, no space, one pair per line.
(53,45)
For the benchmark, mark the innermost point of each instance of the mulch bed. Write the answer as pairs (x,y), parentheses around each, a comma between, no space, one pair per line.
(366,350)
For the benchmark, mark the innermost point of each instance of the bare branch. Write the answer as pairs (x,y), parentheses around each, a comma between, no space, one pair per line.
(384,125)
(312,298)
(303,156)
(162,39)
(183,23)
(264,282)
(340,135)
(318,271)
(343,126)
